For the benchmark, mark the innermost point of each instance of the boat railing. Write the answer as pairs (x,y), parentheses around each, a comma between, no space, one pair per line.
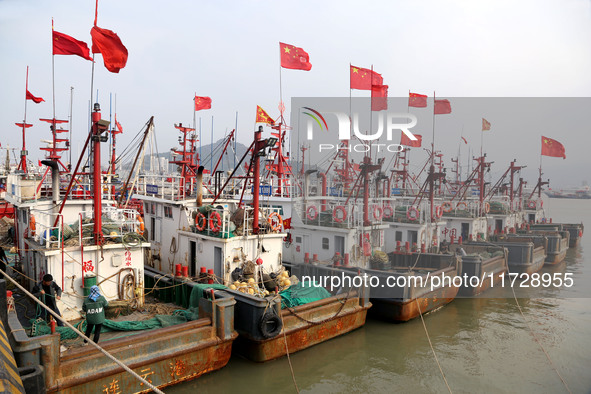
(46,235)
(221,223)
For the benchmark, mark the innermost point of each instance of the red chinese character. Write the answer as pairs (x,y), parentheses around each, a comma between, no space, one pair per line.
(87,266)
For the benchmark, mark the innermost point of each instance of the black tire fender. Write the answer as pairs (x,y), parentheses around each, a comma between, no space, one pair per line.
(270,325)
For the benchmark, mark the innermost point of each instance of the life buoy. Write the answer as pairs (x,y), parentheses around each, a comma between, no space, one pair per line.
(343,214)
(140,223)
(412,214)
(377,212)
(200,221)
(486,207)
(32,225)
(461,204)
(270,325)
(312,212)
(388,211)
(215,221)
(531,204)
(277,226)
(446,206)
(438,211)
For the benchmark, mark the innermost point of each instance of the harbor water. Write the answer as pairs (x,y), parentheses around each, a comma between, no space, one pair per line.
(482,344)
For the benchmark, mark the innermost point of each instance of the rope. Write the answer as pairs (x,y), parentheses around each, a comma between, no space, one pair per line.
(57,317)
(288,358)
(431,345)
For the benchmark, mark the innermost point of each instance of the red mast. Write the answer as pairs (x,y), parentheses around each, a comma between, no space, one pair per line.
(187,159)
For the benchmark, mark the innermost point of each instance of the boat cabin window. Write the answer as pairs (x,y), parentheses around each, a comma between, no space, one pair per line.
(325,243)
(153,208)
(398,236)
(299,240)
(168,211)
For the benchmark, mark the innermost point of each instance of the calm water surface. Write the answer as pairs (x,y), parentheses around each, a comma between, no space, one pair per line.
(483,344)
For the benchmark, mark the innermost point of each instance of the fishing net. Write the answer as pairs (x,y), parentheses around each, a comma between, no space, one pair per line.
(198,290)
(300,294)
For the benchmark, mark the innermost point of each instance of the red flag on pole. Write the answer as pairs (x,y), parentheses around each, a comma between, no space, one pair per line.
(35,99)
(294,58)
(118,125)
(202,103)
(379,97)
(363,78)
(485,125)
(552,148)
(442,107)
(465,142)
(287,224)
(404,140)
(66,45)
(110,46)
(263,116)
(417,100)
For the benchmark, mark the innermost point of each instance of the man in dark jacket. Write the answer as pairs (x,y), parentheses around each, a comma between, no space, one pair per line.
(48,292)
(94,306)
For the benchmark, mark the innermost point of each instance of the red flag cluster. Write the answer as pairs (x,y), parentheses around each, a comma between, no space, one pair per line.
(202,103)
(294,58)
(263,116)
(552,148)
(364,79)
(35,99)
(442,107)
(417,100)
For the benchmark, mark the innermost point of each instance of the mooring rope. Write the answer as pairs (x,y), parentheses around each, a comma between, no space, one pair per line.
(287,353)
(431,345)
(56,316)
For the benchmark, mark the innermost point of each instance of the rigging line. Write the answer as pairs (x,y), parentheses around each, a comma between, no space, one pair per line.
(288,358)
(57,317)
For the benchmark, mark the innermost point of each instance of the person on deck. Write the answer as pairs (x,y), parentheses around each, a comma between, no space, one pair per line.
(94,306)
(49,291)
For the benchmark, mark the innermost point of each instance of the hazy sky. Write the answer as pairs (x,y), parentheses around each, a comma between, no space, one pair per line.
(230,52)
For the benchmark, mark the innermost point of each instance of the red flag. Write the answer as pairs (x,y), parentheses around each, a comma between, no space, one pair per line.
(485,125)
(379,97)
(66,45)
(35,99)
(202,103)
(417,100)
(404,140)
(286,224)
(552,148)
(110,46)
(442,107)
(363,79)
(263,117)
(465,142)
(294,58)
(118,125)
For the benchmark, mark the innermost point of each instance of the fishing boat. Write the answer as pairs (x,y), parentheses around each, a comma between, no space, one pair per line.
(582,193)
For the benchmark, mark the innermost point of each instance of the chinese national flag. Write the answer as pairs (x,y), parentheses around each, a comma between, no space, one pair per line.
(35,99)
(379,97)
(294,58)
(442,107)
(119,128)
(263,117)
(552,148)
(66,45)
(202,103)
(417,100)
(286,224)
(364,79)
(485,125)
(404,140)
(110,46)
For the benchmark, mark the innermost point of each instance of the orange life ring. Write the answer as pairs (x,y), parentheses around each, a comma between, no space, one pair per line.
(463,204)
(446,206)
(412,214)
(200,221)
(388,211)
(438,211)
(486,207)
(216,225)
(378,212)
(312,212)
(531,204)
(32,225)
(339,218)
(276,227)
(141,225)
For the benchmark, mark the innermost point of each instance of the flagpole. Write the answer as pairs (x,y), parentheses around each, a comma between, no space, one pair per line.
(370,113)
(71,115)
(235,138)
(52,73)
(195,125)
(200,139)
(433,136)
(211,147)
